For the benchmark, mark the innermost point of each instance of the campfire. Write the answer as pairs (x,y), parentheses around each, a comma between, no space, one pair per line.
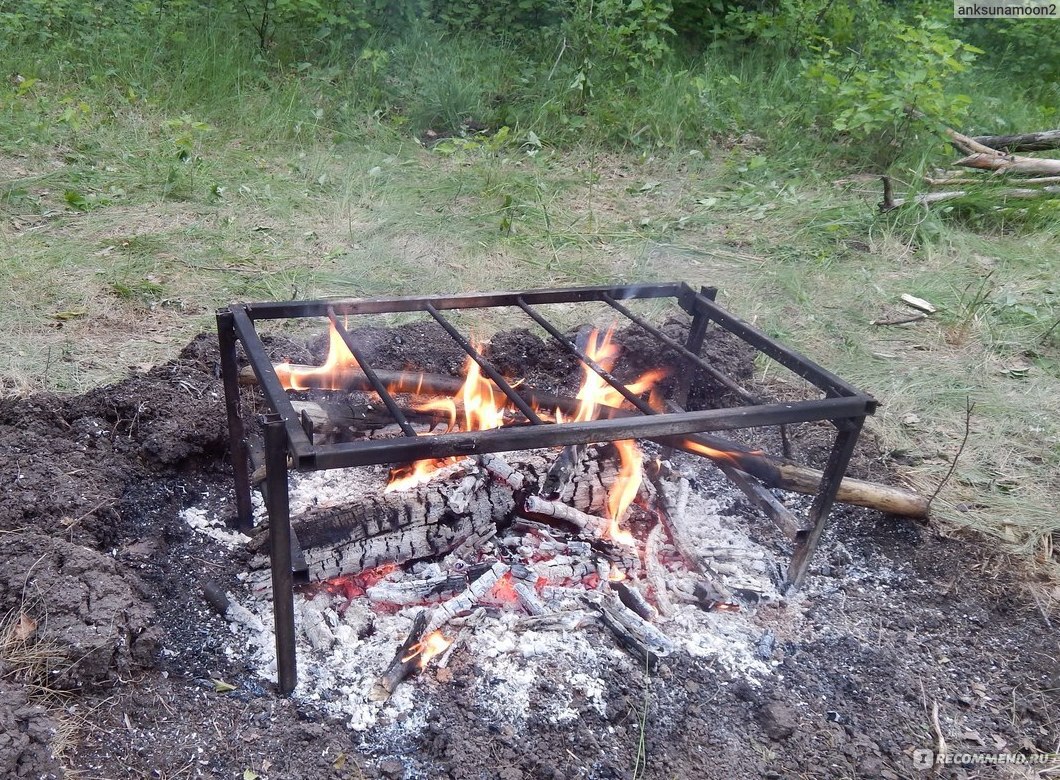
(503,499)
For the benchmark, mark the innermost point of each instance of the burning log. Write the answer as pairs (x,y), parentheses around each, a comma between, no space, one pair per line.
(565,568)
(406,661)
(416,591)
(583,521)
(432,520)
(502,470)
(528,600)
(655,571)
(469,598)
(635,600)
(772,471)
(671,516)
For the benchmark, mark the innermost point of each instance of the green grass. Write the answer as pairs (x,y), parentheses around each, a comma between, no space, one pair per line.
(145,187)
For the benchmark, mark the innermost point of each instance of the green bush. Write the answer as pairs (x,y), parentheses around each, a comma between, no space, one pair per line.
(898,80)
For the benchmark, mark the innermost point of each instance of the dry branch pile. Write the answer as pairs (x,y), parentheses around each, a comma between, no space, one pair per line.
(1008,176)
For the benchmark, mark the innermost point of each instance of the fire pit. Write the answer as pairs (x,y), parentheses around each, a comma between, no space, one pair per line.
(489,491)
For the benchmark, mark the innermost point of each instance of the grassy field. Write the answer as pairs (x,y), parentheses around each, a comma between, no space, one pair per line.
(131,210)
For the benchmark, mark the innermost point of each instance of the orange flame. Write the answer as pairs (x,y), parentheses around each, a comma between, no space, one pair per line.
(483,410)
(416,473)
(427,648)
(702,449)
(596,392)
(339,360)
(624,491)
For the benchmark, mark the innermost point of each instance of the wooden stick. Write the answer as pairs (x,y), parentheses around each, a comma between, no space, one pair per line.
(982,156)
(403,665)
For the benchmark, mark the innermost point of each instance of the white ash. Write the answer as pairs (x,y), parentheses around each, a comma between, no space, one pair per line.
(210,525)
(549,669)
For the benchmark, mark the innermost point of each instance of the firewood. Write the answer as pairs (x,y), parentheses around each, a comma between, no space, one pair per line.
(468,599)
(672,517)
(634,600)
(633,632)
(772,471)
(430,521)
(405,662)
(562,471)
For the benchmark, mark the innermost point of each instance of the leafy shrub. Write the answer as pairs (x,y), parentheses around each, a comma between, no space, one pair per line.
(898,79)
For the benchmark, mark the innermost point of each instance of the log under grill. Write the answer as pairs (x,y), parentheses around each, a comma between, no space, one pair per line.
(289,441)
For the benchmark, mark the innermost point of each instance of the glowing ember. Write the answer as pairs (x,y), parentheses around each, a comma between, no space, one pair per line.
(416,473)
(616,575)
(427,648)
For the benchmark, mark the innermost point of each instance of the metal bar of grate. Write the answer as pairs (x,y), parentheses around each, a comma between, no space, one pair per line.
(525,437)
(580,354)
(373,379)
(344,306)
(298,443)
(682,350)
(486,366)
(789,358)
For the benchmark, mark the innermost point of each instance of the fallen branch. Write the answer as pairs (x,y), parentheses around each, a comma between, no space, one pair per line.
(1011,193)
(962,181)
(984,157)
(1022,142)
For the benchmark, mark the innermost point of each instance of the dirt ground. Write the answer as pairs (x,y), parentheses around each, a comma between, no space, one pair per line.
(901,640)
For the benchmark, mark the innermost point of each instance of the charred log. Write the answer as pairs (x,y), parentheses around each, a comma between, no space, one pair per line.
(405,662)
(430,521)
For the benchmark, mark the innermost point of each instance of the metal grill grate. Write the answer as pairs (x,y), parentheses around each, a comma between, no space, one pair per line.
(289,437)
